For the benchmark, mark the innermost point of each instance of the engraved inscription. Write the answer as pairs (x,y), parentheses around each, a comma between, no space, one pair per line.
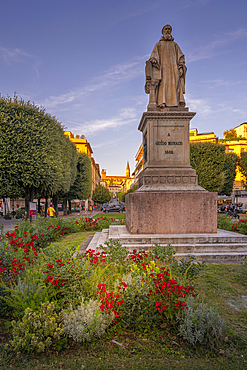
(161,142)
(168,151)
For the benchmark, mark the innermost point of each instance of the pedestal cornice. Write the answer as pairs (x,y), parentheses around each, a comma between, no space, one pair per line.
(167,114)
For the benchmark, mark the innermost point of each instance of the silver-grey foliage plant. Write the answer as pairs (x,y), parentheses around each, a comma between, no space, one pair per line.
(86,322)
(200,323)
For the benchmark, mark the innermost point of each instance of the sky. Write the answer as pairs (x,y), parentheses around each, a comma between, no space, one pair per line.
(83,61)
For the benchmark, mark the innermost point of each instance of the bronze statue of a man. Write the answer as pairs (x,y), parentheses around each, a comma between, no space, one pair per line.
(165,73)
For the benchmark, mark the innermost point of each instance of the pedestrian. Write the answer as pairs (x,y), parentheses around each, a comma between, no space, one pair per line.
(51,211)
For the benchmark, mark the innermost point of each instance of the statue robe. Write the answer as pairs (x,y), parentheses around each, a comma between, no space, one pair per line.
(171,87)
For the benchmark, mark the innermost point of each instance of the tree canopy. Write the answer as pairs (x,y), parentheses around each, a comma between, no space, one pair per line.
(208,160)
(101,195)
(230,134)
(230,165)
(243,166)
(82,186)
(35,155)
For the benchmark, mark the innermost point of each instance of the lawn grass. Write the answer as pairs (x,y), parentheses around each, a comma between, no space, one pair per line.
(115,215)
(222,286)
(71,240)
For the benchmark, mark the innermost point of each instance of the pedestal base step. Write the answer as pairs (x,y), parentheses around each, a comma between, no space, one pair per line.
(223,247)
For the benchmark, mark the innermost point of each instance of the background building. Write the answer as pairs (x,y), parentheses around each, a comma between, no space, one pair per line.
(206,137)
(117,184)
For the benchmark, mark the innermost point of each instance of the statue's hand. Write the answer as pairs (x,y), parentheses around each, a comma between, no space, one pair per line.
(154,63)
(181,72)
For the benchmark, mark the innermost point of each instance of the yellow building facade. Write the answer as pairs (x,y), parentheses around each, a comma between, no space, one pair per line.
(206,137)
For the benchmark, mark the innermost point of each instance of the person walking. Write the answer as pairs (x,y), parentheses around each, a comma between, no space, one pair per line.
(51,211)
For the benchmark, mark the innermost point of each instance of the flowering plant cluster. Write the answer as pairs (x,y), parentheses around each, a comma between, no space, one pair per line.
(95,258)
(66,277)
(109,301)
(22,253)
(87,224)
(137,256)
(170,296)
(167,294)
(241,226)
(58,230)
(94,224)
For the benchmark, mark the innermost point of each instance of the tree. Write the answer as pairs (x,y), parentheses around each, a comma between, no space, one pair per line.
(101,195)
(230,134)
(230,164)
(243,166)
(35,155)
(82,186)
(208,160)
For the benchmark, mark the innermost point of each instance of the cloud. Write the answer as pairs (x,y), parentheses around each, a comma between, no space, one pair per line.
(213,48)
(18,55)
(14,55)
(198,105)
(126,116)
(220,83)
(117,74)
(110,143)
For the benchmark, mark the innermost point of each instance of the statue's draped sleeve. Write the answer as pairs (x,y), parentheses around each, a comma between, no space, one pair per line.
(155,54)
(181,64)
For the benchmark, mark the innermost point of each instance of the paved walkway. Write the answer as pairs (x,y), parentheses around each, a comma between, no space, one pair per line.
(8,224)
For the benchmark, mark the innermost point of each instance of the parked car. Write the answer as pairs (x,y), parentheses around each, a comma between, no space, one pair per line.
(113,208)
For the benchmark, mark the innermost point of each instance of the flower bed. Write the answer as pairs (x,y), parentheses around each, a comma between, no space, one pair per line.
(103,291)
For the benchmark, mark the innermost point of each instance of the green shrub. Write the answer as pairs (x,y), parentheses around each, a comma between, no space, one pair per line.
(47,229)
(37,331)
(199,323)
(138,309)
(87,322)
(115,252)
(66,276)
(164,254)
(187,270)
(28,291)
(225,222)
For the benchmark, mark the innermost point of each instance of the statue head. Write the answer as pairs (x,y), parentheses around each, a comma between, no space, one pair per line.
(166,31)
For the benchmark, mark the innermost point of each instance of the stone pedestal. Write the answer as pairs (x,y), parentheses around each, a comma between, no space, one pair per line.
(169,199)
(171,212)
